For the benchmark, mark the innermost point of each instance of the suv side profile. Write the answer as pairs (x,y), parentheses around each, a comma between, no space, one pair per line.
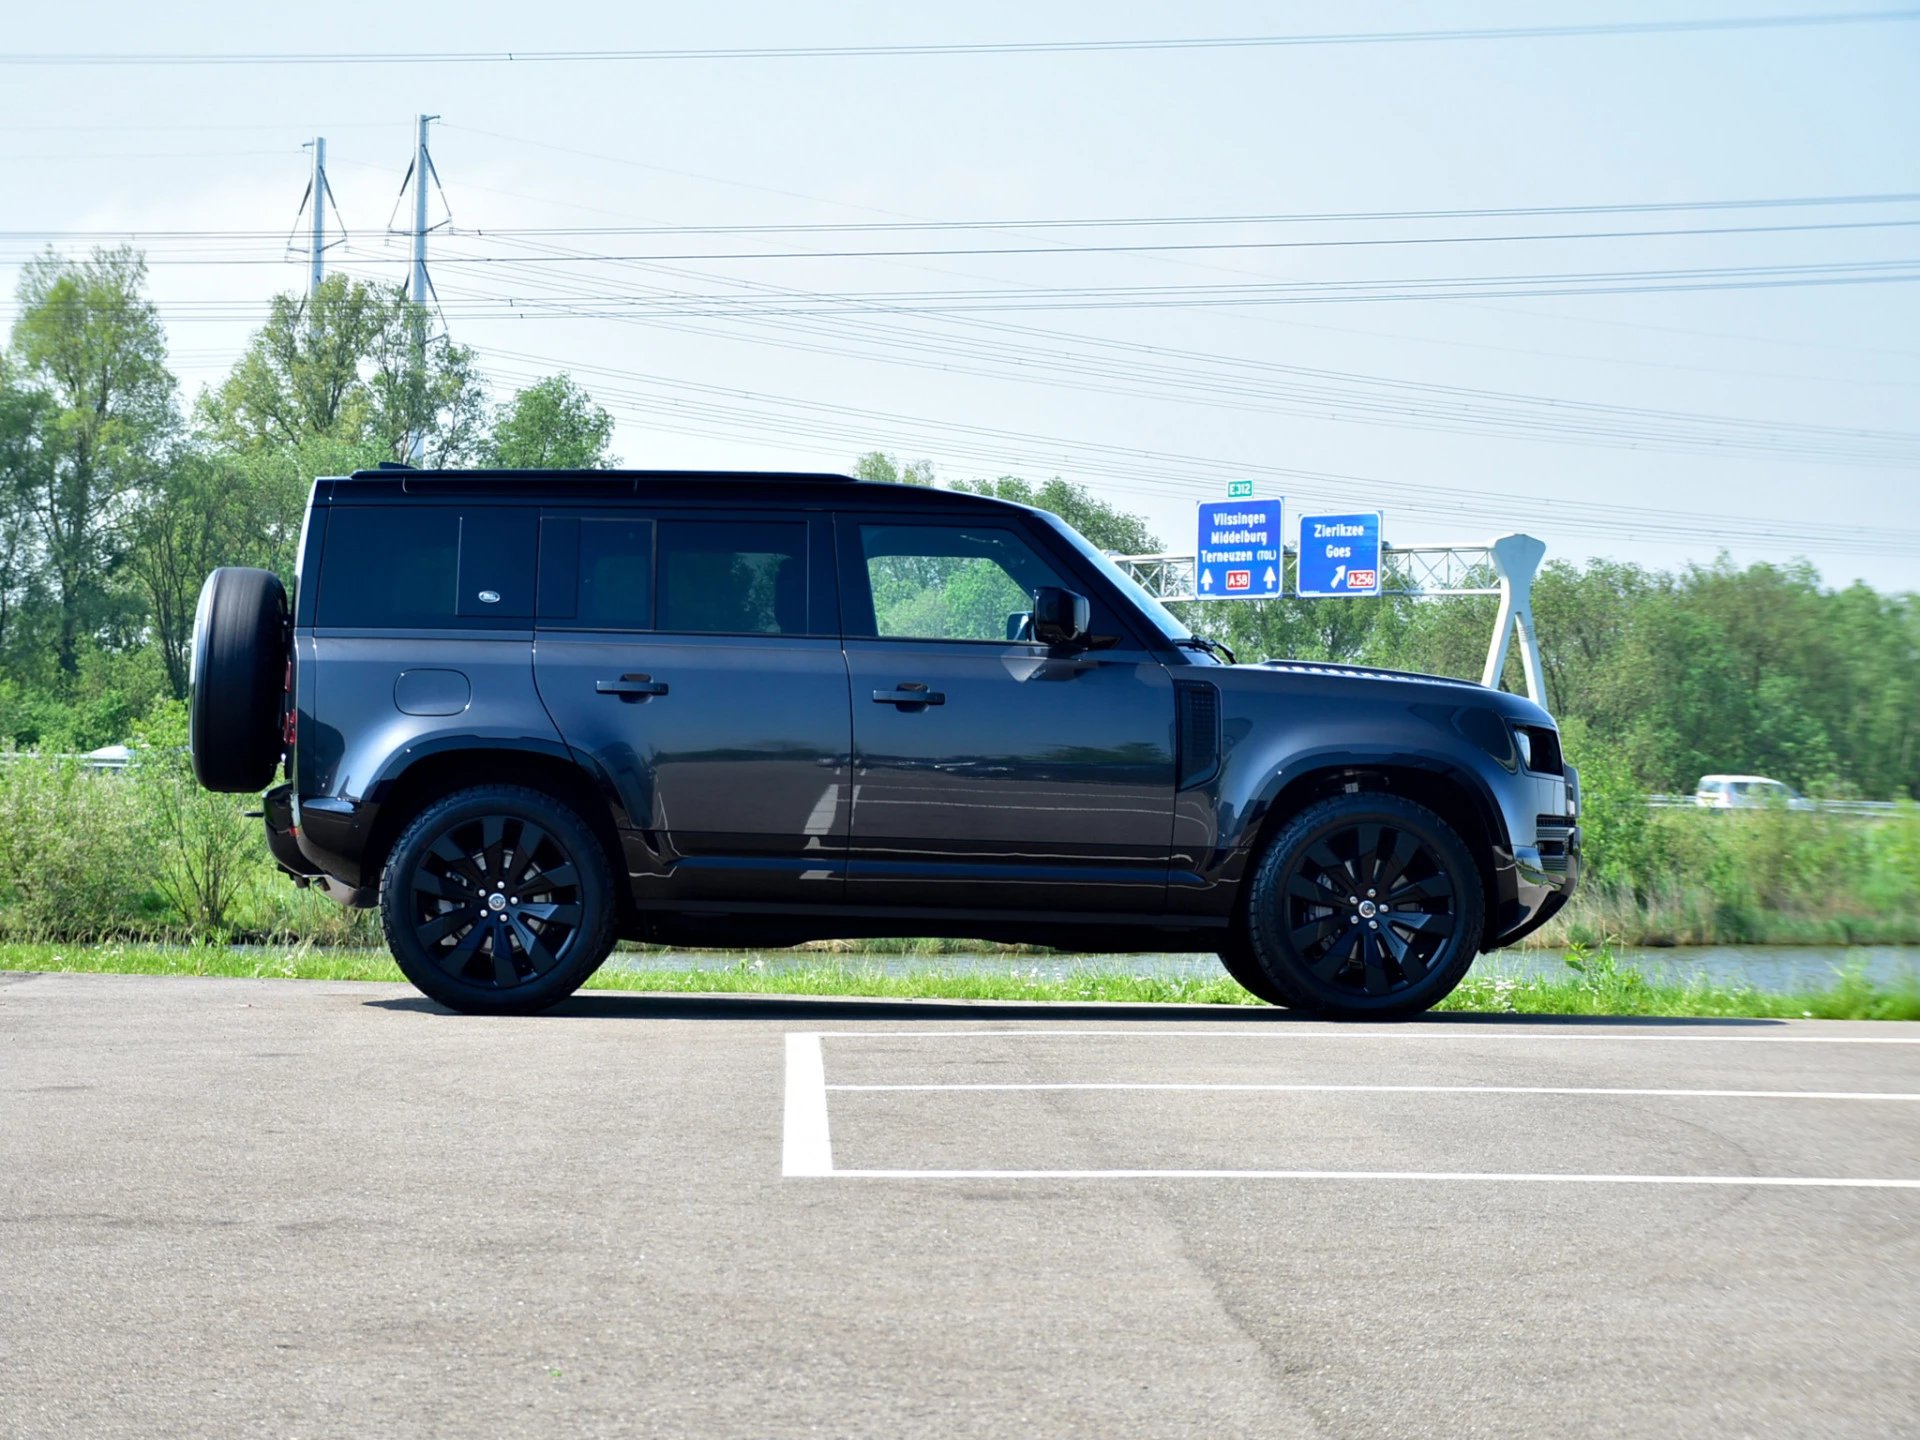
(529,713)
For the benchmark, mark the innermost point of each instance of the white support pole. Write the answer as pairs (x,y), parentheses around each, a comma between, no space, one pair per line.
(1516,559)
(317,244)
(418,291)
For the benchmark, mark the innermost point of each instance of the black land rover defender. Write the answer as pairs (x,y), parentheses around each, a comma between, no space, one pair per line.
(527,714)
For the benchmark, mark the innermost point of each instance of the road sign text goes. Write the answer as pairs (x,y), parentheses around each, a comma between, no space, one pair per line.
(1339,555)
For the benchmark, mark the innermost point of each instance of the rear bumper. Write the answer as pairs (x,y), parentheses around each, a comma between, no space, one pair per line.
(281,839)
(284,842)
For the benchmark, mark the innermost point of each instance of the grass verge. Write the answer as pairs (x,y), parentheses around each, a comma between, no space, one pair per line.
(1594,983)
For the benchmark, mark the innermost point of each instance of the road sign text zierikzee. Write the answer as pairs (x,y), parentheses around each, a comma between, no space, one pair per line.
(1339,555)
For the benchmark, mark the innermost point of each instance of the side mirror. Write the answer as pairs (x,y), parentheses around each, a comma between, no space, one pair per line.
(1060,617)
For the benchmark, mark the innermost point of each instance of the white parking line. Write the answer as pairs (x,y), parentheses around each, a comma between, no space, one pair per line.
(805,1147)
(1339,1032)
(1416,1090)
(1797,1181)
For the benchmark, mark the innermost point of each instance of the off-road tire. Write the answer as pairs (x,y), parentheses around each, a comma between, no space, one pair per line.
(1237,958)
(1362,955)
(236,689)
(480,955)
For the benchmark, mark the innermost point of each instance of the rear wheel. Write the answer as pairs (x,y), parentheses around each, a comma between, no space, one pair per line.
(498,900)
(1365,906)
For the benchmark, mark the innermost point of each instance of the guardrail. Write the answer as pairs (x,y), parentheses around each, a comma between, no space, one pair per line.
(1825,807)
(107,757)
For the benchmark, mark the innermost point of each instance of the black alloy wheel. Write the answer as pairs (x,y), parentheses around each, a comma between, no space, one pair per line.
(498,900)
(1365,905)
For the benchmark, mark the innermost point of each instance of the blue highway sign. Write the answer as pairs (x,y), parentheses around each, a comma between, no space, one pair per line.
(1238,553)
(1339,555)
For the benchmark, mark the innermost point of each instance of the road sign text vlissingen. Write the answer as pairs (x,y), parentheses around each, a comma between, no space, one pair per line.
(1339,555)
(1237,553)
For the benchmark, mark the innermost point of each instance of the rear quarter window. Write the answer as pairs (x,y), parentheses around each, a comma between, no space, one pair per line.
(398,567)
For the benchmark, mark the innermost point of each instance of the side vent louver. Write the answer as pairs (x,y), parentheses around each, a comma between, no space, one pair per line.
(1197,732)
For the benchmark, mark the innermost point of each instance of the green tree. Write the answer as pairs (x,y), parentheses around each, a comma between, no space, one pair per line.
(551,425)
(886,469)
(1108,527)
(302,374)
(90,342)
(342,367)
(204,513)
(23,459)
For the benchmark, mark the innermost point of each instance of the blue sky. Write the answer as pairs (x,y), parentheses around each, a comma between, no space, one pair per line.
(1380,423)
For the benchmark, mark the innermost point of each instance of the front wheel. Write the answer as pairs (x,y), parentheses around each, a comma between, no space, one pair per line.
(1365,906)
(498,900)
(1241,965)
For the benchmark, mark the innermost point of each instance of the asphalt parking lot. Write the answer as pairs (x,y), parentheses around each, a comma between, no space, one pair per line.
(306,1209)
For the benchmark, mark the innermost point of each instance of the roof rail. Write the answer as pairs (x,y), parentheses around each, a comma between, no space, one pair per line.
(761,477)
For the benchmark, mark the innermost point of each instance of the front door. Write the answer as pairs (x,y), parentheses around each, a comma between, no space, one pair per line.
(694,660)
(993,773)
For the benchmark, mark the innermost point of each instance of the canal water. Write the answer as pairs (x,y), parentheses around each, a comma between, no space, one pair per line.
(1765,967)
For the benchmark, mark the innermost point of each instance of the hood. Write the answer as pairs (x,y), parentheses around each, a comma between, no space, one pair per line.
(1356,682)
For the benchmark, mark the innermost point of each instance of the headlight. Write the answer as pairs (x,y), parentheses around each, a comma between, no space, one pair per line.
(1539,747)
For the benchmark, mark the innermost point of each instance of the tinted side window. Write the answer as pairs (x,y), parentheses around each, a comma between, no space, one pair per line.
(389,566)
(596,574)
(727,578)
(616,575)
(951,582)
(425,567)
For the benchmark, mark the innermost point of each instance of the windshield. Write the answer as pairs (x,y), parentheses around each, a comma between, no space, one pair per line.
(1157,614)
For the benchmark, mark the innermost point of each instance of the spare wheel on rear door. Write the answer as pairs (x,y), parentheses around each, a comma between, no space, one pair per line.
(238,679)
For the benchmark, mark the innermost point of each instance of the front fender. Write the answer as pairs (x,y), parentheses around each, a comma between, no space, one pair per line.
(1284,732)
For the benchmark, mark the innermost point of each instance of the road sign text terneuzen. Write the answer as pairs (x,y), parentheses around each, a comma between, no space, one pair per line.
(1237,555)
(1338,555)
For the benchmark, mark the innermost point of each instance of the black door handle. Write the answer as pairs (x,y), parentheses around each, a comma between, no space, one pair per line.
(631,687)
(912,693)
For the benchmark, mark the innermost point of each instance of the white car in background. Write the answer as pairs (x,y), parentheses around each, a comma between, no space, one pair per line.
(1748,792)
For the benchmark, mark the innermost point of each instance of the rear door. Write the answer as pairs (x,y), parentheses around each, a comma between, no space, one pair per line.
(993,773)
(694,658)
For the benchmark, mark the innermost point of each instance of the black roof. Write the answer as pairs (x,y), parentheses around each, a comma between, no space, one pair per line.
(732,487)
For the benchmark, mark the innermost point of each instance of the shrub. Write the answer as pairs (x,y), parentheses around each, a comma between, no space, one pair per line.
(77,858)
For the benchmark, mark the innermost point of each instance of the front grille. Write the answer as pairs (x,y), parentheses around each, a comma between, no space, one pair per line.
(1554,834)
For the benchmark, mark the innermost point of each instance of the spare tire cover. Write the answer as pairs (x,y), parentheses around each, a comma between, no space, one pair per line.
(238,679)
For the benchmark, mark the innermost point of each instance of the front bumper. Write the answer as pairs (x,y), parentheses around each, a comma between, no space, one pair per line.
(1535,878)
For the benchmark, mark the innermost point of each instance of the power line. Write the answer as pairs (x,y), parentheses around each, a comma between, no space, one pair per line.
(1052,223)
(1113,297)
(1066,249)
(1300,390)
(1703,25)
(1148,470)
